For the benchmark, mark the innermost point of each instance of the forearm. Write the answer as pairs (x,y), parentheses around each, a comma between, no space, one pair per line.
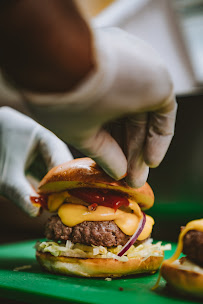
(44,48)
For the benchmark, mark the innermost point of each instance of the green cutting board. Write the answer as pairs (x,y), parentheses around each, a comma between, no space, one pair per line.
(32,285)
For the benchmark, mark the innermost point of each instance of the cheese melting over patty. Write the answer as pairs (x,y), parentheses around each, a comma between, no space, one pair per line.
(73,211)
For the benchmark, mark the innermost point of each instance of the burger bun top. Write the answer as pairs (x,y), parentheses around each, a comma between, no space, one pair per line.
(85,173)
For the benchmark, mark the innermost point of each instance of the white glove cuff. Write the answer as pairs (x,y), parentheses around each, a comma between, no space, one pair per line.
(92,88)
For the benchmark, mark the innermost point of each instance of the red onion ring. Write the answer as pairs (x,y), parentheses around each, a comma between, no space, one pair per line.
(134,237)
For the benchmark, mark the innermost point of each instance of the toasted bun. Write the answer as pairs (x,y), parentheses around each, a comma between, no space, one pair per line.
(84,172)
(97,267)
(184,281)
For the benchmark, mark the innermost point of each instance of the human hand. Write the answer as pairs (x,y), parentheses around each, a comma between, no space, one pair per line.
(123,115)
(21,138)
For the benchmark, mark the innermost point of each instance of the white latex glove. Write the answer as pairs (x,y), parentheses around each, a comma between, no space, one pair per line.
(20,139)
(131,88)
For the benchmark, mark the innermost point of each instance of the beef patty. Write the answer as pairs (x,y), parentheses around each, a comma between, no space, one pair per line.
(193,246)
(104,233)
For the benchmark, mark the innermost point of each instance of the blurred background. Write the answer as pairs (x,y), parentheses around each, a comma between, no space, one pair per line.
(175,29)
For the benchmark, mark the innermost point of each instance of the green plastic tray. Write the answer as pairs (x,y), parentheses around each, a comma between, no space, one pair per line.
(33,285)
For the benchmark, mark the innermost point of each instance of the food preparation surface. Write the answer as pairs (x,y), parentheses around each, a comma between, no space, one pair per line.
(21,278)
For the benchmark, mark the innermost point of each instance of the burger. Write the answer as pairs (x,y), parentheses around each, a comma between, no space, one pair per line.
(98,227)
(185,275)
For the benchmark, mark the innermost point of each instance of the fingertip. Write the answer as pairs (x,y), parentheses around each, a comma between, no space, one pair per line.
(106,152)
(159,137)
(114,167)
(137,175)
(123,176)
(136,182)
(153,161)
(155,150)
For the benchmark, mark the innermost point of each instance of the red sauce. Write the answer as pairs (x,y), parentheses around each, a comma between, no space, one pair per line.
(94,197)
(101,197)
(41,200)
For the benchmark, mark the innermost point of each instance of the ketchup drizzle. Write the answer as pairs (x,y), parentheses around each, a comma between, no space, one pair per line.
(41,200)
(94,197)
(101,197)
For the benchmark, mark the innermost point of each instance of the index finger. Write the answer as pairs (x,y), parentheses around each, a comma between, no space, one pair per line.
(160,133)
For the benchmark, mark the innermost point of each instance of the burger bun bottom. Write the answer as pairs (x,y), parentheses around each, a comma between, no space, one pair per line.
(97,267)
(185,281)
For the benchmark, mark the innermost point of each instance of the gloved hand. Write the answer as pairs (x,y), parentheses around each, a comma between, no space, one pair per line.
(122,115)
(20,139)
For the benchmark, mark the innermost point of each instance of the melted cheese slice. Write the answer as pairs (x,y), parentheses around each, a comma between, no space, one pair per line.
(76,212)
(72,215)
(193,225)
(57,199)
